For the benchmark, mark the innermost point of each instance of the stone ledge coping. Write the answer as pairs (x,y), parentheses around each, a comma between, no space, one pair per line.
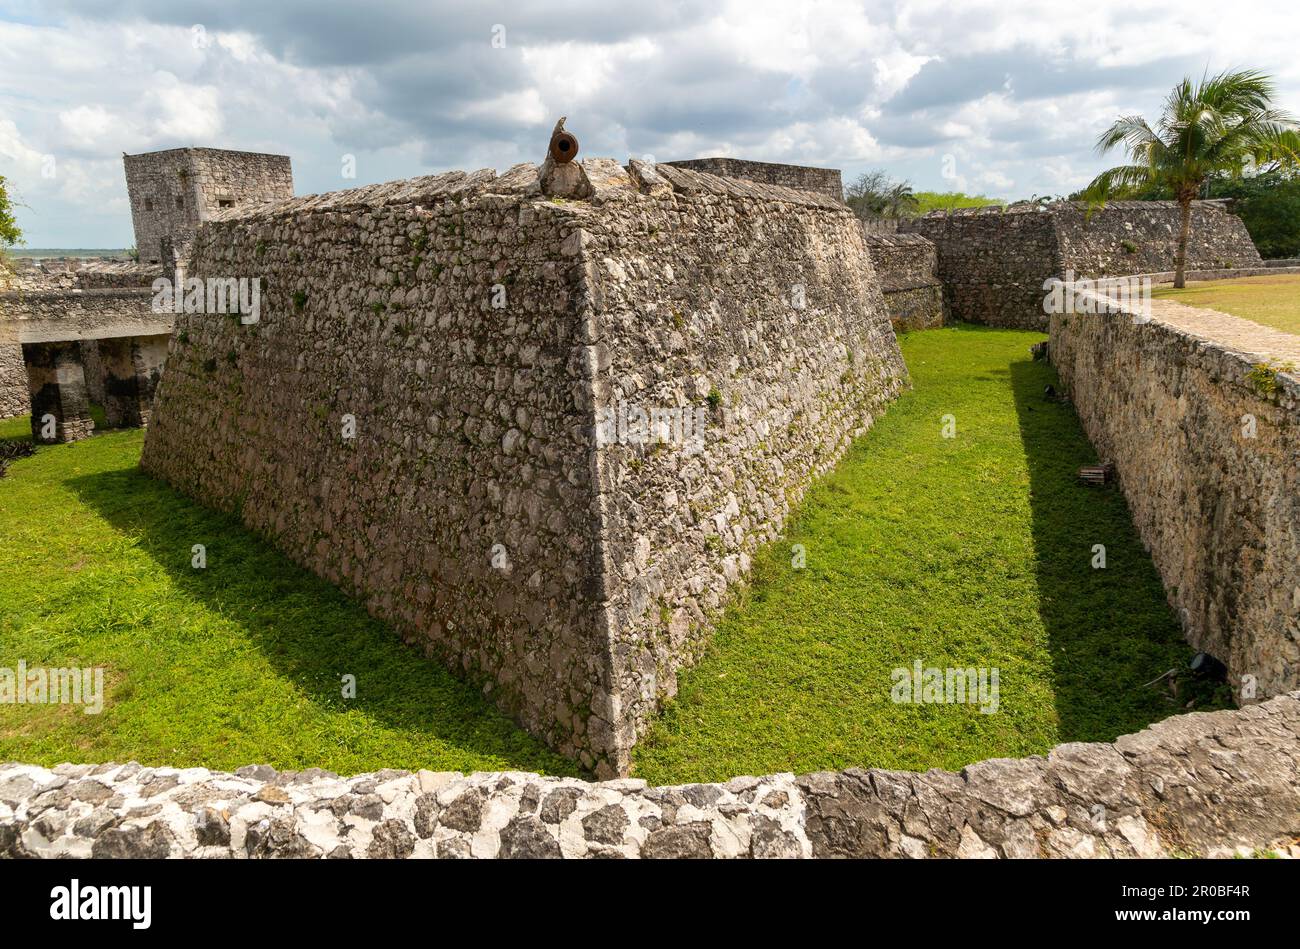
(77,293)
(1215,203)
(1248,341)
(1207,783)
(1227,273)
(204,148)
(896,239)
(521,181)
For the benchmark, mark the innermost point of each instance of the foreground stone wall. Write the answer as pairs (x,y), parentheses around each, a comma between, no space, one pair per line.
(907,265)
(475,508)
(1209,784)
(824,181)
(994,261)
(1206,441)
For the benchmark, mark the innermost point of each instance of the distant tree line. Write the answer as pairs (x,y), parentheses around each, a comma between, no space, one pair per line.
(874,196)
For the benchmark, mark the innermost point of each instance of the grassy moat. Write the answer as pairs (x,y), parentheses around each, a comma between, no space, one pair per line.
(974,551)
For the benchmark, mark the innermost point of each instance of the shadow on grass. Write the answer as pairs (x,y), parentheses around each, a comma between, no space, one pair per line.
(310,632)
(1110,629)
(18,428)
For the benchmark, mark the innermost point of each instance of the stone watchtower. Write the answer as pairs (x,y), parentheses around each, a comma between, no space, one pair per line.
(174,191)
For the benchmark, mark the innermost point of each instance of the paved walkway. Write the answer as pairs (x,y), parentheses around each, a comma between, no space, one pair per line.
(1262,343)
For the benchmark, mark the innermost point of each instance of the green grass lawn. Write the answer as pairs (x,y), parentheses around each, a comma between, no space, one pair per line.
(236,664)
(1272,301)
(973,551)
(967,552)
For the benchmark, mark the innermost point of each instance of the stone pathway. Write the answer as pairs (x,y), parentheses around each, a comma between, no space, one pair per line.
(1262,343)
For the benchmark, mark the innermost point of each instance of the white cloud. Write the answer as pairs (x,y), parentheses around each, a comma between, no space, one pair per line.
(1017,91)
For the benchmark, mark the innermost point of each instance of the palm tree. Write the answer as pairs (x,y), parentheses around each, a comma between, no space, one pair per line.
(900,201)
(1223,125)
(875,195)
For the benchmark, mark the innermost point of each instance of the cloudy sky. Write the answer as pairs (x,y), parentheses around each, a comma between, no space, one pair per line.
(1012,92)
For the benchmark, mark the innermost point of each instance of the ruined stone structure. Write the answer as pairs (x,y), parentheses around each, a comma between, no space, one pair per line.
(994,261)
(1206,444)
(498,353)
(823,181)
(907,266)
(1215,784)
(174,191)
(73,331)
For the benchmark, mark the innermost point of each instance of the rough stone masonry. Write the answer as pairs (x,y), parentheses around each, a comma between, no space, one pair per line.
(906,265)
(1217,784)
(540,436)
(1200,413)
(994,261)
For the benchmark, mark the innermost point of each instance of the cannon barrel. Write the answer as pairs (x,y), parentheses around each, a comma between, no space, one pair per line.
(564,146)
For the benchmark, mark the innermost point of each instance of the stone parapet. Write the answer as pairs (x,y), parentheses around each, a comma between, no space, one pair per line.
(1214,784)
(824,181)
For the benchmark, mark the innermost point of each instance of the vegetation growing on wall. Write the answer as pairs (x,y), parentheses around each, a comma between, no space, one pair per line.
(10,233)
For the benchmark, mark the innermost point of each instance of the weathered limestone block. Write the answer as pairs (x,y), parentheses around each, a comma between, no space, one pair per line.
(14,399)
(428,412)
(1214,784)
(132,366)
(1207,450)
(57,386)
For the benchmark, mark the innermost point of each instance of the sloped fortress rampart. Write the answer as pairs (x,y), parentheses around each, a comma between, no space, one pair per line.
(993,262)
(823,181)
(541,437)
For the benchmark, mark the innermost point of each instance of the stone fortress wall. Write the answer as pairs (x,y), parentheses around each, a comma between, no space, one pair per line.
(475,509)
(823,181)
(1204,431)
(1217,784)
(1139,237)
(994,261)
(907,265)
(173,191)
